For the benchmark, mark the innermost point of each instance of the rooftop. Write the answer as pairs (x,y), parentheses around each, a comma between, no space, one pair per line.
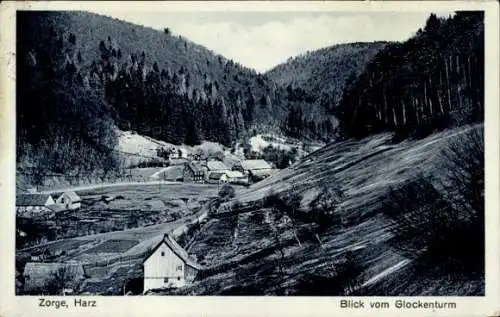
(216,166)
(178,250)
(255,164)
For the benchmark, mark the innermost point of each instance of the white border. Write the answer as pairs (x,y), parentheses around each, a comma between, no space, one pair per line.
(10,305)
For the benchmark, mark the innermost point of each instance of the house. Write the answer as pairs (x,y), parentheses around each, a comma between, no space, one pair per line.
(194,172)
(70,200)
(217,177)
(214,166)
(236,177)
(255,169)
(168,266)
(39,277)
(33,204)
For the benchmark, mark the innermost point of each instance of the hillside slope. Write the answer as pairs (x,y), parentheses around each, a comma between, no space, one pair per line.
(246,260)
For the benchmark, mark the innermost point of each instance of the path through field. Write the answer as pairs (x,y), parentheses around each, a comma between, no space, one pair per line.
(106,185)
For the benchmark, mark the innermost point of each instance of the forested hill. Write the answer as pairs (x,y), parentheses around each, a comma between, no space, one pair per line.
(432,81)
(79,74)
(139,67)
(314,83)
(324,73)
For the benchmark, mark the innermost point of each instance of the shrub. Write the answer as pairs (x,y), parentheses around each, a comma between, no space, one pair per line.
(60,280)
(324,207)
(464,168)
(226,192)
(344,279)
(236,206)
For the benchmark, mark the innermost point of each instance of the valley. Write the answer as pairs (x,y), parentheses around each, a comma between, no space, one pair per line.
(147,164)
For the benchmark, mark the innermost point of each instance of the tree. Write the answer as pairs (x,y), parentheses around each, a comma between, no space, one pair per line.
(285,208)
(464,170)
(192,137)
(63,278)
(273,201)
(72,38)
(325,206)
(226,192)
(414,94)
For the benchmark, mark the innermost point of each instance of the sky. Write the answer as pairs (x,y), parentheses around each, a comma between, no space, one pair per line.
(262,40)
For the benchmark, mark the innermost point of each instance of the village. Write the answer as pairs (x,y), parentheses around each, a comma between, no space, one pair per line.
(66,239)
(165,154)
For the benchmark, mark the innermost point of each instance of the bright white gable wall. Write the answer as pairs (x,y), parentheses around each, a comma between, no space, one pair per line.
(157,268)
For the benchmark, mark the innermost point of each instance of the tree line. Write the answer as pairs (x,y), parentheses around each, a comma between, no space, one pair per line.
(432,81)
(62,126)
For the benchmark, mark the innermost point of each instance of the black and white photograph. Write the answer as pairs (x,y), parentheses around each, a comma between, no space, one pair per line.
(250,153)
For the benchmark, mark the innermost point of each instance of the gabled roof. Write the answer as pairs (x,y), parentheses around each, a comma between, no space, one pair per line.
(261,173)
(255,164)
(195,167)
(73,196)
(216,175)
(32,199)
(177,249)
(216,166)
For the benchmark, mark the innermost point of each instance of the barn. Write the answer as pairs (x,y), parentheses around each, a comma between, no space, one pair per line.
(194,172)
(255,169)
(217,167)
(33,204)
(69,200)
(168,266)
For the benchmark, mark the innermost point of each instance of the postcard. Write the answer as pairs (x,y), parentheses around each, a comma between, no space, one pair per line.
(250,158)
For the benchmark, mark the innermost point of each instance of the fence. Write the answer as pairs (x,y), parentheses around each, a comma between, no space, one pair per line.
(113,260)
(60,182)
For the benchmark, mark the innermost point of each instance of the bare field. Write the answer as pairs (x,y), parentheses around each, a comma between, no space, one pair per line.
(93,247)
(113,246)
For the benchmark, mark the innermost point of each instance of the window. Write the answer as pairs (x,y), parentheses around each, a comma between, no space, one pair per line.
(165,280)
(179,268)
(162,253)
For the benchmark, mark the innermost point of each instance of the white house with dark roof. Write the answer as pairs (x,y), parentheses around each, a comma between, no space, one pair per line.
(168,266)
(215,167)
(69,200)
(33,203)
